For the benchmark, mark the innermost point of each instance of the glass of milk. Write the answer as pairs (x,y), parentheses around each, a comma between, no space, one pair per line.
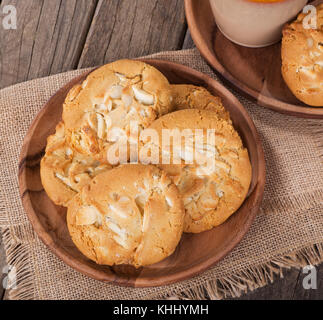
(254,23)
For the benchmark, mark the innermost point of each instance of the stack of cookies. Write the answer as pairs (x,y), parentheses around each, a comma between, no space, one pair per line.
(138,161)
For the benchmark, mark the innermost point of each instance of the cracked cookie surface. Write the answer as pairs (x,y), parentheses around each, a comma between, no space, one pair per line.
(97,113)
(302,58)
(132,214)
(188,96)
(64,171)
(208,163)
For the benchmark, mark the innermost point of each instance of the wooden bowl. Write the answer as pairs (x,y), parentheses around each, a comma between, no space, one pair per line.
(255,72)
(196,253)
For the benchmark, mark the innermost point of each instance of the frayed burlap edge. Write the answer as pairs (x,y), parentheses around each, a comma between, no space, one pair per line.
(18,257)
(232,286)
(237,284)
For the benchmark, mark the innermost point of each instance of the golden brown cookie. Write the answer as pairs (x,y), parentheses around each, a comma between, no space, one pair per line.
(205,157)
(98,112)
(129,215)
(64,171)
(302,55)
(187,96)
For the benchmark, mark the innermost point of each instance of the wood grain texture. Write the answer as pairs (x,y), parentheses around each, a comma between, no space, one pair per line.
(289,288)
(49,38)
(256,73)
(49,221)
(188,41)
(128,29)
(2,265)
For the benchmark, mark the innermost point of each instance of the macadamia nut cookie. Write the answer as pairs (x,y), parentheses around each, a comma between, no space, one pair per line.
(302,55)
(187,96)
(64,171)
(98,112)
(129,215)
(205,157)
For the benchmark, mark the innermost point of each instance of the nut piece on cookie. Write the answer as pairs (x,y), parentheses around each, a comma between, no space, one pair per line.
(98,112)
(132,215)
(205,157)
(64,171)
(188,96)
(302,58)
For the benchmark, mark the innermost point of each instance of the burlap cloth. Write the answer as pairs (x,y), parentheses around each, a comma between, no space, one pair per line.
(288,231)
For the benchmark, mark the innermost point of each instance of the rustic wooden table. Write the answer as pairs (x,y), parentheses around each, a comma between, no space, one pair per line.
(54,36)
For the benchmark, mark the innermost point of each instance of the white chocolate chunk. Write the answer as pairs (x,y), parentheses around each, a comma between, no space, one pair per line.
(108,122)
(127,100)
(169,202)
(115,92)
(132,112)
(116,228)
(65,180)
(220,193)
(117,211)
(90,121)
(114,135)
(110,106)
(101,126)
(308,71)
(121,234)
(87,216)
(124,200)
(145,223)
(143,96)
(204,171)
(121,241)
(101,107)
(69,152)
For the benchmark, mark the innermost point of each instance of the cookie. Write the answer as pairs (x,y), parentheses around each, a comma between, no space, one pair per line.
(188,96)
(207,162)
(98,112)
(132,215)
(64,171)
(302,57)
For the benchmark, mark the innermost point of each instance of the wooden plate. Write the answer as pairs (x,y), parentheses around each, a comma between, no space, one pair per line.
(256,73)
(196,253)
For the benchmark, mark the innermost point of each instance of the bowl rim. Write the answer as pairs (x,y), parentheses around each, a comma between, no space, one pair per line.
(151,281)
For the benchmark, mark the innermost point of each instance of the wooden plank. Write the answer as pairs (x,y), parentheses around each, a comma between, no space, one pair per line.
(188,41)
(49,38)
(289,288)
(2,265)
(280,289)
(127,29)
